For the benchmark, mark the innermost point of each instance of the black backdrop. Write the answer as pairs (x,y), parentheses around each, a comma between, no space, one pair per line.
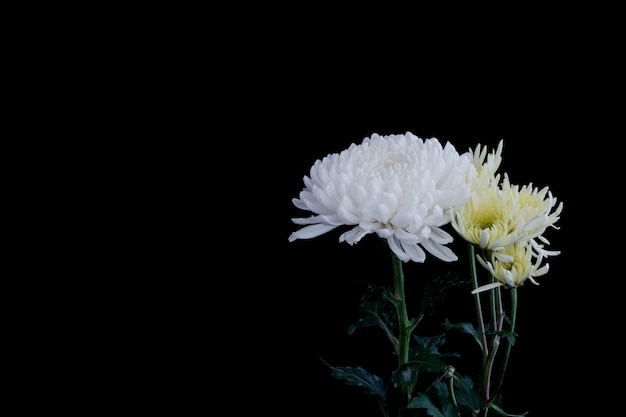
(207,137)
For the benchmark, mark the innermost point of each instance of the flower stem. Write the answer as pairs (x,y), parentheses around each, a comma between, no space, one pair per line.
(496,319)
(451,391)
(497,313)
(403,317)
(479,309)
(507,352)
(405,326)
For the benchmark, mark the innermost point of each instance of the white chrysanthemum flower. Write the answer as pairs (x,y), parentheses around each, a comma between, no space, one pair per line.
(515,272)
(400,187)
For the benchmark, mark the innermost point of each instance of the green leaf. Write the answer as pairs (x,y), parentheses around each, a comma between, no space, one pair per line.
(376,310)
(464,392)
(499,410)
(508,335)
(432,290)
(443,396)
(467,328)
(428,362)
(429,344)
(406,374)
(421,400)
(367,319)
(372,385)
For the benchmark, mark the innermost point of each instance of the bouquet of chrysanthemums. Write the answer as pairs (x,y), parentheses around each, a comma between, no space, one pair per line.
(415,195)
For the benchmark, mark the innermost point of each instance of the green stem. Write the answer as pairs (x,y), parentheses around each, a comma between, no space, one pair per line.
(507,352)
(488,352)
(451,389)
(479,309)
(401,308)
(497,313)
(497,320)
(405,326)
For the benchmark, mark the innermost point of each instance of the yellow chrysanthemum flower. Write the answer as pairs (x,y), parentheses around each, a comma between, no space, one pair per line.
(516,271)
(499,214)
(489,219)
(486,169)
(538,211)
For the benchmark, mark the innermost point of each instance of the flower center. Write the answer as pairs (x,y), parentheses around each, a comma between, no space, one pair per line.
(486,220)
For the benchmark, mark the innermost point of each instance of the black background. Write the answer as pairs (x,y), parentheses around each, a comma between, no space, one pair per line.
(179,287)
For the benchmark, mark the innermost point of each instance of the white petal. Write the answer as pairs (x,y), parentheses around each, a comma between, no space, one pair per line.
(354,235)
(440,236)
(308,220)
(393,245)
(442,252)
(487,287)
(541,271)
(312,231)
(415,253)
(502,256)
(484,239)
(406,237)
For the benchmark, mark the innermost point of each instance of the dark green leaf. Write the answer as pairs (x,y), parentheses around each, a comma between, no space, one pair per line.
(407,374)
(429,344)
(371,384)
(464,392)
(421,400)
(376,310)
(367,319)
(437,403)
(508,335)
(466,328)
(499,410)
(428,362)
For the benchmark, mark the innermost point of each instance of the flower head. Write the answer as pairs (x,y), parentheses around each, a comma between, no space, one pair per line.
(486,169)
(485,220)
(400,187)
(498,213)
(489,219)
(538,211)
(515,272)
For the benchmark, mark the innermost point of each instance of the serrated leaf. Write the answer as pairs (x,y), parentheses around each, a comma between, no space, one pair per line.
(367,319)
(371,384)
(499,410)
(376,310)
(467,328)
(421,400)
(429,344)
(439,395)
(407,374)
(464,392)
(428,362)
